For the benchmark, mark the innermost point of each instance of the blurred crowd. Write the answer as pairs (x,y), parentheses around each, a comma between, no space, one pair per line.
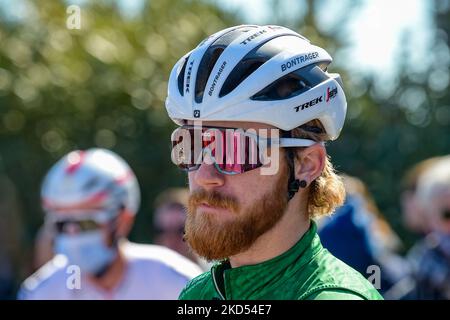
(357,233)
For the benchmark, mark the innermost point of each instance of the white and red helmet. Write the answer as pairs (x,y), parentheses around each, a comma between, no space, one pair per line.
(91,180)
(266,74)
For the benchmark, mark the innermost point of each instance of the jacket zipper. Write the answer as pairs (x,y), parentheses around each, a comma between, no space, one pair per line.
(217,287)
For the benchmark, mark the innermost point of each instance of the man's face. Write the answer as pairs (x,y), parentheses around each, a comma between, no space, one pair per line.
(439,211)
(78,222)
(169,225)
(412,214)
(85,238)
(227,213)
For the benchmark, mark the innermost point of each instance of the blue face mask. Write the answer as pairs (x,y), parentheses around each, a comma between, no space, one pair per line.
(86,250)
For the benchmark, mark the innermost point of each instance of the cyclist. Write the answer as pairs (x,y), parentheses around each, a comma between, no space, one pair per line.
(90,199)
(255,105)
(432,267)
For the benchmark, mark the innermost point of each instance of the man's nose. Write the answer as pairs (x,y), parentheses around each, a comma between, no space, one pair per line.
(207,177)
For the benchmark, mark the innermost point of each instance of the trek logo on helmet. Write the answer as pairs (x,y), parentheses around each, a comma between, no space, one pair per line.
(253,36)
(331,93)
(308,104)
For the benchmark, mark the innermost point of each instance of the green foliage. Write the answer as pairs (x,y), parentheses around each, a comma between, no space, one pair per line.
(103,85)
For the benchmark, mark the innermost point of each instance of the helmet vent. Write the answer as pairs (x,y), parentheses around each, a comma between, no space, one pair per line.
(293,83)
(211,56)
(181,77)
(206,65)
(252,61)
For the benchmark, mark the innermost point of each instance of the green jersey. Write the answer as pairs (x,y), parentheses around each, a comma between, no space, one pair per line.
(305,271)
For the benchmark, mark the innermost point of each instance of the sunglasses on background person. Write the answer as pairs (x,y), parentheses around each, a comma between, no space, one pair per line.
(445,214)
(79,222)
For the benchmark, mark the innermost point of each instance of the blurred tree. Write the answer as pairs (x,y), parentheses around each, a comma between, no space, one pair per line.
(10,237)
(103,85)
(397,125)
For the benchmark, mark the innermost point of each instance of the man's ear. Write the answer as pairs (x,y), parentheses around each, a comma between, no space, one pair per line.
(310,162)
(124,223)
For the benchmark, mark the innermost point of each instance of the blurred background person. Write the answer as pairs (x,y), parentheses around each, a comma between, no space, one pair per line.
(90,199)
(168,221)
(416,221)
(360,236)
(43,246)
(413,218)
(432,271)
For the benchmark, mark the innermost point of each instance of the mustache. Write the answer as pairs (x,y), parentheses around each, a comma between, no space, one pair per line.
(214,199)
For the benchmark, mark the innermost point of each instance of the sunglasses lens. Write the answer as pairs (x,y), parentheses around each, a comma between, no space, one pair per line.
(76,226)
(60,226)
(231,150)
(182,150)
(242,155)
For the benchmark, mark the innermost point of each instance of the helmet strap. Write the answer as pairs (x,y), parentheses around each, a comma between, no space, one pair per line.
(293,184)
(113,230)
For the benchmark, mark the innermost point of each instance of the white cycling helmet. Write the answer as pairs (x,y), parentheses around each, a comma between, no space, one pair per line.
(91,180)
(266,74)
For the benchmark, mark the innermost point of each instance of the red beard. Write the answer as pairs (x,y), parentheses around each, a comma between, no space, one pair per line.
(214,238)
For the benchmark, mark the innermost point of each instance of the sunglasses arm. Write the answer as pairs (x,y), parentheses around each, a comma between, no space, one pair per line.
(294,142)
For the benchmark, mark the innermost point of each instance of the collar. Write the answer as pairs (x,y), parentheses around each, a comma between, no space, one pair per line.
(245,281)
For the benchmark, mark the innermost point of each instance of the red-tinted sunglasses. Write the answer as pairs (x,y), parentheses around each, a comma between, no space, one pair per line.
(231,150)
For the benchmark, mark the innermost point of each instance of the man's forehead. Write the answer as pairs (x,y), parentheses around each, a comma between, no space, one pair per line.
(232,124)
